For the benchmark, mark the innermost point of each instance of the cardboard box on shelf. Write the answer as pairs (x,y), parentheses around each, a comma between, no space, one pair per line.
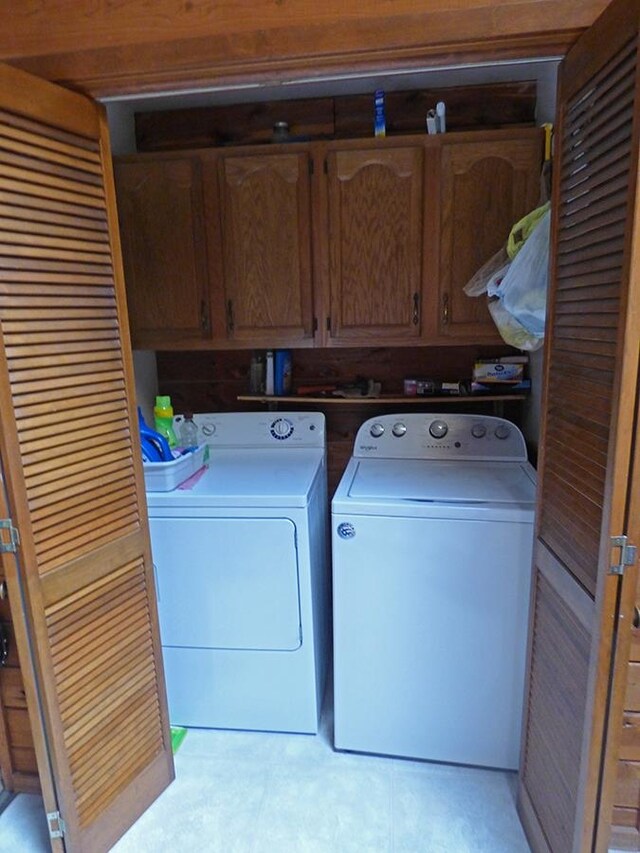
(498,370)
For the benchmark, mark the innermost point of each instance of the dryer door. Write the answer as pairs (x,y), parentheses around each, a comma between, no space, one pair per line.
(227,583)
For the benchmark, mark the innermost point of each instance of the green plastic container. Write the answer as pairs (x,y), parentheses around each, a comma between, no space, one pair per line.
(163,417)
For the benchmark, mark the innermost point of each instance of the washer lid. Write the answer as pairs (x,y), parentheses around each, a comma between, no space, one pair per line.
(442,482)
(248,478)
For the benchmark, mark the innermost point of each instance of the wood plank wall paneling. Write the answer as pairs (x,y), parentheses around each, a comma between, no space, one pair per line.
(211,381)
(626,812)
(468,107)
(18,767)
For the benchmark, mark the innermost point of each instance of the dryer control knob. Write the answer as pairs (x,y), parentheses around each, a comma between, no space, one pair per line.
(502,431)
(438,429)
(399,430)
(478,430)
(281,428)
(376,430)
(346,530)
(208,429)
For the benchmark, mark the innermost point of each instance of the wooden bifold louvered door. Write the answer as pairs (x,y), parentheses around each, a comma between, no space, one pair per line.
(589,414)
(81,582)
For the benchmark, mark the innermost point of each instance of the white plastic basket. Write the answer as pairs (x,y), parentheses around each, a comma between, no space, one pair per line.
(167,476)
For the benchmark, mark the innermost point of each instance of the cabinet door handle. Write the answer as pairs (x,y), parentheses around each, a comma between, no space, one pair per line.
(445,309)
(204,316)
(636,617)
(230,323)
(416,309)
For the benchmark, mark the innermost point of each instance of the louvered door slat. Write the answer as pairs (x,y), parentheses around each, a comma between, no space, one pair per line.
(38,166)
(49,221)
(609,166)
(27,144)
(94,610)
(13,248)
(11,181)
(50,136)
(48,209)
(50,226)
(84,440)
(66,292)
(77,473)
(96,245)
(83,523)
(51,266)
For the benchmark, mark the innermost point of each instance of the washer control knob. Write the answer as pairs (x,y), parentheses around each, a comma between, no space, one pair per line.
(399,429)
(376,430)
(281,428)
(478,430)
(208,429)
(346,530)
(438,429)
(502,431)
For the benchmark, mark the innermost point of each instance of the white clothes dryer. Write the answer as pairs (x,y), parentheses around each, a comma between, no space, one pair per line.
(242,570)
(432,532)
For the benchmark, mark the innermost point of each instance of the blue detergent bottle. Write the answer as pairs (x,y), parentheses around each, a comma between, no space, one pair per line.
(155,447)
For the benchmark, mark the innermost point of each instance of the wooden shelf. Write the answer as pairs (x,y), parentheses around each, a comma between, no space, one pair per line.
(383,399)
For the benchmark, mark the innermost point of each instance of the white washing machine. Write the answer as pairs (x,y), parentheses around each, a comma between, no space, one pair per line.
(242,570)
(432,533)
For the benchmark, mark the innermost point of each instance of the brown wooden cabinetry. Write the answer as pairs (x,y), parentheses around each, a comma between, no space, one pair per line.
(345,243)
(376,244)
(264,230)
(486,185)
(160,209)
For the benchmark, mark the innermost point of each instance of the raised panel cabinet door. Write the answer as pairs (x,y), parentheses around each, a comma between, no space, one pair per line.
(266,235)
(160,208)
(375,244)
(486,187)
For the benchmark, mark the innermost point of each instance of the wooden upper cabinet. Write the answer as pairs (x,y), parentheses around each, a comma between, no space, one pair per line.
(253,247)
(160,209)
(265,232)
(376,244)
(485,187)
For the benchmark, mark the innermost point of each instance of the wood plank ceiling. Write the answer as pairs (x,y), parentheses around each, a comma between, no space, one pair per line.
(113,48)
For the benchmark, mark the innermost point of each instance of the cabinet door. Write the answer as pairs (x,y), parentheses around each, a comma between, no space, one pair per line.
(266,243)
(161,225)
(486,186)
(375,244)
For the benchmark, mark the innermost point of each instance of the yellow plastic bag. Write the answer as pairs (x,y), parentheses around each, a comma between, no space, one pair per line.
(521,230)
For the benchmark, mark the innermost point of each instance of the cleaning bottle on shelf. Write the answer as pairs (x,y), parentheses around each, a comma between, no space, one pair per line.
(163,416)
(188,432)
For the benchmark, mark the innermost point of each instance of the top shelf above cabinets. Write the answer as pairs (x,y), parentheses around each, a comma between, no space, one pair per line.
(342,243)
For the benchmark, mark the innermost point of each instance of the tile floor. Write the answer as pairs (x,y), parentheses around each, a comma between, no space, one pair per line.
(246,792)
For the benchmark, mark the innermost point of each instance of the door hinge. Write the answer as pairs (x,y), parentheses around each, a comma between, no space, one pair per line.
(11,546)
(56,825)
(628,554)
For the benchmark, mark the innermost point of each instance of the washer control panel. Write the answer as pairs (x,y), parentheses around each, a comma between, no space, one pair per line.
(259,429)
(450,436)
